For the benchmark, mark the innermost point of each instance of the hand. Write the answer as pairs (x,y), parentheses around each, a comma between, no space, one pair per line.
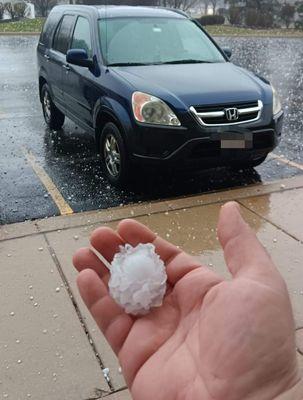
(212,339)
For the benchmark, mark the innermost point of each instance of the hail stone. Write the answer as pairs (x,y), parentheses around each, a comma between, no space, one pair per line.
(138,278)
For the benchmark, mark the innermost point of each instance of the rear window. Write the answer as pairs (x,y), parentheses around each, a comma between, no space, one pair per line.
(63,34)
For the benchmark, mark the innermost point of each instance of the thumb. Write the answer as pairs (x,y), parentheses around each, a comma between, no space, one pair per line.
(243,253)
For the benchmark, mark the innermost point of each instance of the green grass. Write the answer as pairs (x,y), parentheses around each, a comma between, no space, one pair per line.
(35,25)
(26,25)
(225,30)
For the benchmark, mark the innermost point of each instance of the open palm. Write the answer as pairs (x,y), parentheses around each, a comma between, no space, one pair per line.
(211,339)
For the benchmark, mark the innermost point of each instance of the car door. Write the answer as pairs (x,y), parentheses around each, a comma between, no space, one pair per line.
(57,57)
(79,81)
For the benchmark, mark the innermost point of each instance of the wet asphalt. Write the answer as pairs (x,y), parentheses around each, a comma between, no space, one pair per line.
(69,157)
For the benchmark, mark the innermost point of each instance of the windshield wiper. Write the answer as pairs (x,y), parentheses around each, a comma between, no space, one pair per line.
(125,64)
(187,61)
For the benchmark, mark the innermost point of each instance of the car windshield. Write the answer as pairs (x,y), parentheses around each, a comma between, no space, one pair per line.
(144,41)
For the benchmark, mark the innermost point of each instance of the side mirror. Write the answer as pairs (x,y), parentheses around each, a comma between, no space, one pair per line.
(79,57)
(227,51)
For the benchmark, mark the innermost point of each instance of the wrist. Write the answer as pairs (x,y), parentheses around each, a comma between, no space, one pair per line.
(295,393)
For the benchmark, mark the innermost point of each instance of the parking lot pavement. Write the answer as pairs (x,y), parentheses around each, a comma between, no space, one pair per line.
(50,346)
(45,173)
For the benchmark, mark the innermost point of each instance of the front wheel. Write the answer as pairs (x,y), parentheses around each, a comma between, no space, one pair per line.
(248,164)
(54,118)
(115,161)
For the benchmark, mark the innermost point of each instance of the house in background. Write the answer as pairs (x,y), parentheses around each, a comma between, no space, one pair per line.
(29,10)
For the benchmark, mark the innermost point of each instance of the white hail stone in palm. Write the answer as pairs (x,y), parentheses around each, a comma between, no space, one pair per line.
(138,278)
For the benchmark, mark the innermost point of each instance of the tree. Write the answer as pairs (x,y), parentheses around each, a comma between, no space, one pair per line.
(43,6)
(256,13)
(8,7)
(179,4)
(119,2)
(214,5)
(1,11)
(255,19)
(299,22)
(300,8)
(204,6)
(287,14)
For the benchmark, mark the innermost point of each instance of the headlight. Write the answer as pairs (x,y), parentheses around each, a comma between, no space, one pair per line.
(151,110)
(276,103)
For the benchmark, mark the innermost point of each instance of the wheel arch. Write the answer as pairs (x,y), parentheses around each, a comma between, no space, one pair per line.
(103,117)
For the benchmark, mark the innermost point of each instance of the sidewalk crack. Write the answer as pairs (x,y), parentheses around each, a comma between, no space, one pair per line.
(269,221)
(78,312)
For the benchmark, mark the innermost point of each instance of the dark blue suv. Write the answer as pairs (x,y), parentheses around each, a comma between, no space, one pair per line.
(153,87)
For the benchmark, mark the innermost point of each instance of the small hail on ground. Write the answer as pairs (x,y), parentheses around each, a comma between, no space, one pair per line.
(106,374)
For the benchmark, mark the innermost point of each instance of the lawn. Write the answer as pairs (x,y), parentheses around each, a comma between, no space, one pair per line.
(35,25)
(25,25)
(225,30)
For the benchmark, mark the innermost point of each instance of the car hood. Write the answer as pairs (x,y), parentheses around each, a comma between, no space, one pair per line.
(194,84)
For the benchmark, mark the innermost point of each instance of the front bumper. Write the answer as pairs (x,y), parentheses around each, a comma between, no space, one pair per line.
(193,145)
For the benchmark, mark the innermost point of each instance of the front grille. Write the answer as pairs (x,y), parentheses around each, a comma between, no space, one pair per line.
(216,115)
(219,107)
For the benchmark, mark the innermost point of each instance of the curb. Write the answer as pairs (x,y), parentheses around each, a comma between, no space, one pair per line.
(27,228)
(20,33)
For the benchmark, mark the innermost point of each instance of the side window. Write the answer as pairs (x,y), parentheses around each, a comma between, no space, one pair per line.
(62,35)
(81,38)
(48,28)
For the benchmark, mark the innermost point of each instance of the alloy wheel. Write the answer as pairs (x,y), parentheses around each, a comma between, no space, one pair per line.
(112,155)
(47,105)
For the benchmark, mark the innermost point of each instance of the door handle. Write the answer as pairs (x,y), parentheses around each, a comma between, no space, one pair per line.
(47,57)
(66,67)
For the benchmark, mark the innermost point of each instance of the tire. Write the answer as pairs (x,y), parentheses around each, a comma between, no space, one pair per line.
(115,161)
(53,117)
(248,164)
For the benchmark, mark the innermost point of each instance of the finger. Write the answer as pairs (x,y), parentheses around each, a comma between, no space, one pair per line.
(111,319)
(244,254)
(84,258)
(177,262)
(106,241)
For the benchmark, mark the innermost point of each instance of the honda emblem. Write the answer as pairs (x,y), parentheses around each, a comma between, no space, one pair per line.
(232,114)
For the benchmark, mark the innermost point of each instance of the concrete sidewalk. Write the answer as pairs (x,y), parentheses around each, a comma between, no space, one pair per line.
(50,348)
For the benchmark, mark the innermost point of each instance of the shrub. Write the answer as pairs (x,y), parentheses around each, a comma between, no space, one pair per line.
(299,25)
(287,14)
(212,20)
(300,8)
